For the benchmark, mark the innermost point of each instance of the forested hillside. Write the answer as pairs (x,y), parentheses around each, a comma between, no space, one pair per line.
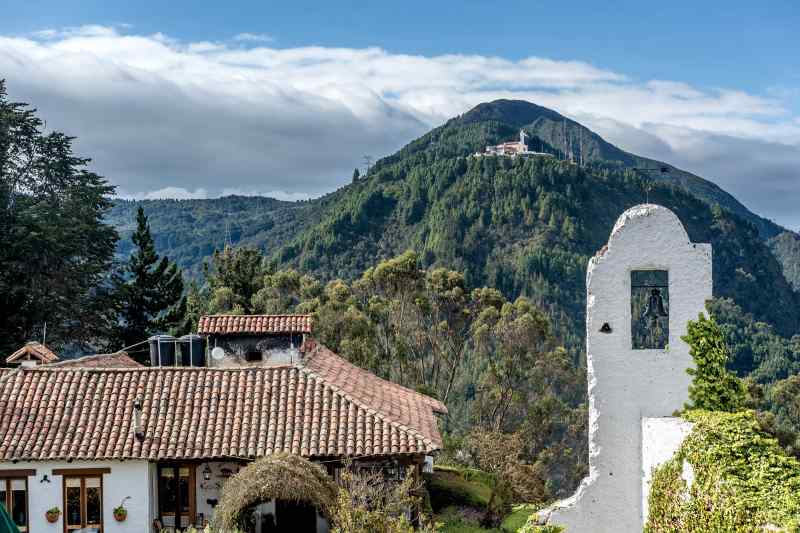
(526,226)
(190,230)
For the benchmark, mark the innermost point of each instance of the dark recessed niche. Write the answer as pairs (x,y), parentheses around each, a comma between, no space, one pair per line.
(649,309)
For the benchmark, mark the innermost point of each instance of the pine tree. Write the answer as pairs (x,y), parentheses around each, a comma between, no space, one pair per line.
(56,247)
(150,291)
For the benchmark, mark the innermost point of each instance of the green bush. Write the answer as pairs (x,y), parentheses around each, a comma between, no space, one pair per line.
(743,480)
(713,387)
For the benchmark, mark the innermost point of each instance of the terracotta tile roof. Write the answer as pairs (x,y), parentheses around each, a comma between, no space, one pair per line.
(33,350)
(239,324)
(102,360)
(407,406)
(202,413)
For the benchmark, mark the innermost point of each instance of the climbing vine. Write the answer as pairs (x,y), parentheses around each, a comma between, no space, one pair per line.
(713,387)
(741,480)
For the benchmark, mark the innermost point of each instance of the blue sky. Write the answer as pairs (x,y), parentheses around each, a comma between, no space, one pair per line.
(152,88)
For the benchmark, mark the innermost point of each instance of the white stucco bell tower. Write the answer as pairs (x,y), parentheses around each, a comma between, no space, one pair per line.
(642,289)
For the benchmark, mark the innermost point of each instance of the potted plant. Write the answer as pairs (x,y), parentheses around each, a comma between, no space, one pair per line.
(120,513)
(52,514)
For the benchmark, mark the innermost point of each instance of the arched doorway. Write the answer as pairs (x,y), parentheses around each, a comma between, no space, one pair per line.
(274,493)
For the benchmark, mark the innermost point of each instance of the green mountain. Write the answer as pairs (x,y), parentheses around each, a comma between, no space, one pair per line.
(527,226)
(189,231)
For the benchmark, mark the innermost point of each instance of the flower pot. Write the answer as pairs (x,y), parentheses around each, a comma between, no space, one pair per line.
(120,516)
(52,517)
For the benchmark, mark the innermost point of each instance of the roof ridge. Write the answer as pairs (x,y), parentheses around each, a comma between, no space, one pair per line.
(259,315)
(64,368)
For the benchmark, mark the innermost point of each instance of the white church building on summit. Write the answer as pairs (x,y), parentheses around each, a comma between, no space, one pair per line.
(512,148)
(642,288)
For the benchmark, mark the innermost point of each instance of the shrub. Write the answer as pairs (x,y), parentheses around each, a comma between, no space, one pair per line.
(713,388)
(743,480)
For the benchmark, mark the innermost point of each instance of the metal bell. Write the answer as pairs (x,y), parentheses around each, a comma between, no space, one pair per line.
(655,306)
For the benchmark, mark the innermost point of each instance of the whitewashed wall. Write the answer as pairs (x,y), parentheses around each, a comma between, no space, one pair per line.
(127,478)
(661,438)
(627,385)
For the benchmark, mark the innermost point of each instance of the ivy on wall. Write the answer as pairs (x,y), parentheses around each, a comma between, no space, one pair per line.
(743,480)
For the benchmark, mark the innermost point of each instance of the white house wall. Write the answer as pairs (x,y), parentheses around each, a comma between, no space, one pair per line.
(127,478)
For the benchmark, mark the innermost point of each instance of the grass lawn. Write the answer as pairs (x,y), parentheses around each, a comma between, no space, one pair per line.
(459,498)
(454,487)
(517,518)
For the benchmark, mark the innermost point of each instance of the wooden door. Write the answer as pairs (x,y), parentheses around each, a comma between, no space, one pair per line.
(176,495)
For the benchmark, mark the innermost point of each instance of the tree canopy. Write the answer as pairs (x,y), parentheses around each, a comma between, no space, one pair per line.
(55,247)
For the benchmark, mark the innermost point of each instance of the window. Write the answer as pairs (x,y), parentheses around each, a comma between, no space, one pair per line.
(253,355)
(649,309)
(14,497)
(83,503)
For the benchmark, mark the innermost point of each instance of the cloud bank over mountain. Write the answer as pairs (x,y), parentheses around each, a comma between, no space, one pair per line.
(168,118)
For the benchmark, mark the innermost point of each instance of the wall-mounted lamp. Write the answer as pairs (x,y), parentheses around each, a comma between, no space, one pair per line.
(44,479)
(207,473)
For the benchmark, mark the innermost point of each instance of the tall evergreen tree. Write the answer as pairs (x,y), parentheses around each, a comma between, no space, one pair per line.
(150,290)
(55,247)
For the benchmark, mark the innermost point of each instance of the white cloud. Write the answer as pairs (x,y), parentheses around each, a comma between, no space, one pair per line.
(271,193)
(158,114)
(253,37)
(89,30)
(176,193)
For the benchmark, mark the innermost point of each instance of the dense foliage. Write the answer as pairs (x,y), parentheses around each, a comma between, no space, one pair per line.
(58,276)
(55,249)
(368,503)
(714,387)
(742,480)
(495,363)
